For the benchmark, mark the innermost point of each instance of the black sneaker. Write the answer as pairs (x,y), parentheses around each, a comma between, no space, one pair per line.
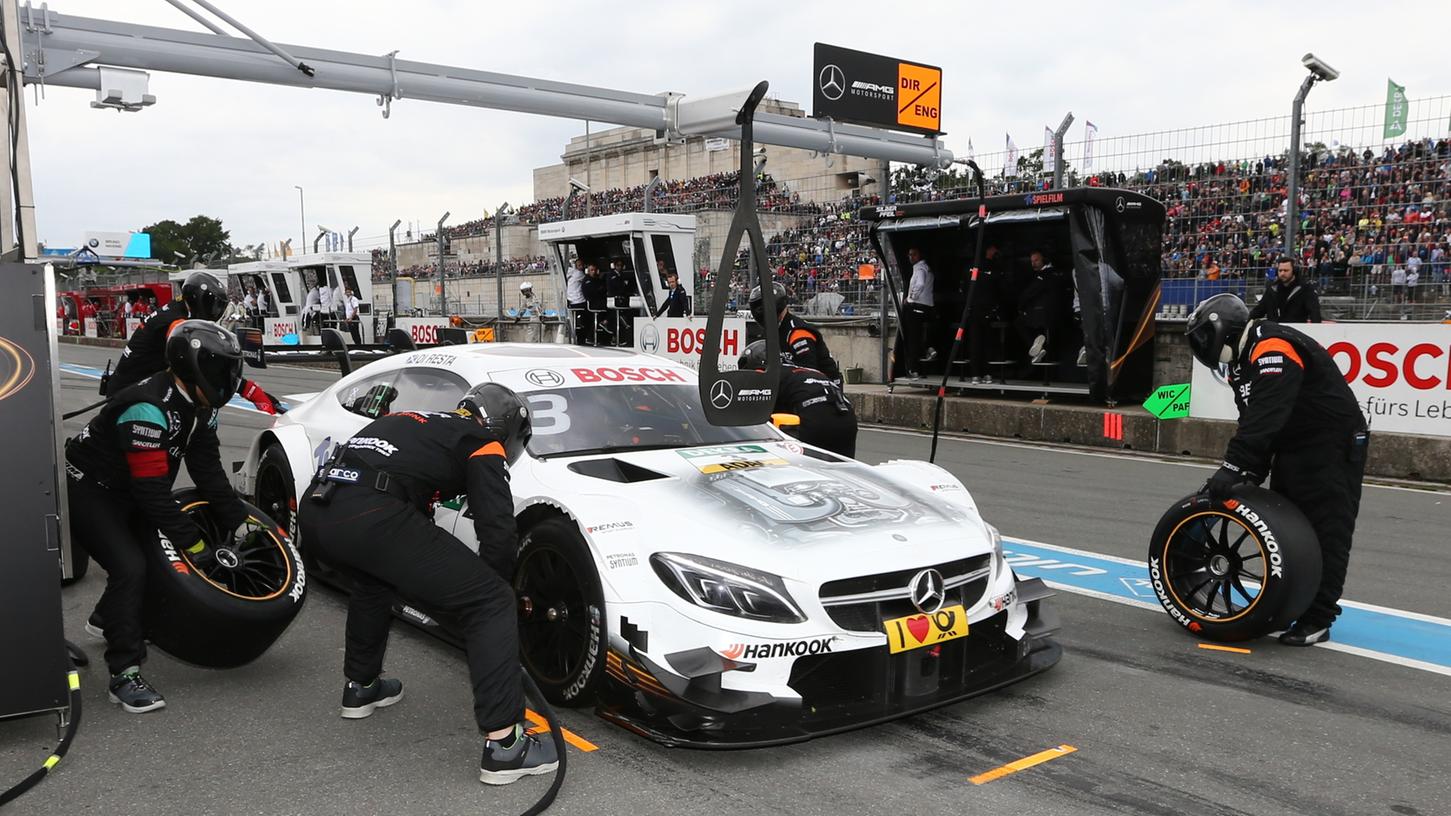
(359,700)
(94,627)
(1305,635)
(521,754)
(134,694)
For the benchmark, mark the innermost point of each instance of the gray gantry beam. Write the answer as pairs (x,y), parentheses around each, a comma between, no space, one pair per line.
(78,43)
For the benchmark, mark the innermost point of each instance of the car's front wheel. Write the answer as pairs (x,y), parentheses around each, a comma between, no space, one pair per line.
(562,632)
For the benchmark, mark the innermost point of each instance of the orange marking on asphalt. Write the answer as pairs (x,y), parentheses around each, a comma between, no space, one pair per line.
(1022,764)
(1217,648)
(542,727)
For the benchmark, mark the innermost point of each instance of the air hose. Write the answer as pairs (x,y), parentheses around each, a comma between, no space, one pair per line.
(74,678)
(556,733)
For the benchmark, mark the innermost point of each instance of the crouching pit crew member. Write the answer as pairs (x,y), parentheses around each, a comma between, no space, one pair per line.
(120,471)
(1300,423)
(369,511)
(827,418)
(799,338)
(202,298)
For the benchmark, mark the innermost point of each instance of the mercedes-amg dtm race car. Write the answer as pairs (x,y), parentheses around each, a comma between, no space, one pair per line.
(703,585)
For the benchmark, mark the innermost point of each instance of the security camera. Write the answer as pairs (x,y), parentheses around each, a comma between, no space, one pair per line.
(1317,67)
(578,185)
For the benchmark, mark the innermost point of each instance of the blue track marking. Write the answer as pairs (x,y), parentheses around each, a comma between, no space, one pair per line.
(1395,636)
(95,374)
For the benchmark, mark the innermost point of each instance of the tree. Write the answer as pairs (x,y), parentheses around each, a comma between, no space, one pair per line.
(199,239)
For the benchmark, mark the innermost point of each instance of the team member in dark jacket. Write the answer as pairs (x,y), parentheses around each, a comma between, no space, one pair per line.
(1040,307)
(120,471)
(596,298)
(827,418)
(677,300)
(370,510)
(1300,423)
(202,298)
(1289,298)
(800,339)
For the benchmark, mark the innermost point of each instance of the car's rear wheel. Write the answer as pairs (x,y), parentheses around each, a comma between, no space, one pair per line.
(229,608)
(1234,570)
(562,632)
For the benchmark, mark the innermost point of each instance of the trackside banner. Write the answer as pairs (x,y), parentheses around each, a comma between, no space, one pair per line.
(1400,373)
(682,339)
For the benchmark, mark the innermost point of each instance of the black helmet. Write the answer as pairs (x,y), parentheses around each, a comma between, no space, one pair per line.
(503,411)
(754,358)
(205,296)
(1215,325)
(778,294)
(207,357)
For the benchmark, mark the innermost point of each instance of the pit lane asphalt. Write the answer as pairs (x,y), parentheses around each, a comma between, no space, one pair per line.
(1161,727)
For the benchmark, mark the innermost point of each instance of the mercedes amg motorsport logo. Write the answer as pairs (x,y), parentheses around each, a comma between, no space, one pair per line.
(721,394)
(928,591)
(832,82)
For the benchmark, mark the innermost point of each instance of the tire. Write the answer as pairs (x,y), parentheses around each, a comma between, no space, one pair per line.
(275,493)
(232,611)
(1205,557)
(562,631)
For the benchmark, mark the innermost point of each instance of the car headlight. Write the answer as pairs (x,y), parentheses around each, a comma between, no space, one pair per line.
(727,588)
(997,540)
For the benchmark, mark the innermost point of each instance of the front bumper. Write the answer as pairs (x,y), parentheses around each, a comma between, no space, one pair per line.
(839,691)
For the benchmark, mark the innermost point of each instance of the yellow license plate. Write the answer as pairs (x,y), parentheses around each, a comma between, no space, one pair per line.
(916,631)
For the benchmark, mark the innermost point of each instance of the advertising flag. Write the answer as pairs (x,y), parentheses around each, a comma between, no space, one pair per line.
(1396,109)
(1090,130)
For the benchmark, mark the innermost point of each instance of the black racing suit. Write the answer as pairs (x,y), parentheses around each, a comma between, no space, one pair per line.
(807,347)
(1300,422)
(1295,302)
(145,354)
(377,524)
(120,470)
(827,418)
(1041,305)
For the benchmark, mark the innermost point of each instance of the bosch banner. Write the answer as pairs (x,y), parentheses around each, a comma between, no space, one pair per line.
(1400,373)
(870,89)
(682,339)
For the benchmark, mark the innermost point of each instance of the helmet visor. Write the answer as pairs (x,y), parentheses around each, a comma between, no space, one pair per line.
(220,376)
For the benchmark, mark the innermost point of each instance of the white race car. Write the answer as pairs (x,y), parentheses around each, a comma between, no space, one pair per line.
(704,585)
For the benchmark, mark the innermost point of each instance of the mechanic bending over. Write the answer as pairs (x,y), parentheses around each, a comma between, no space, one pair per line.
(800,339)
(202,298)
(369,510)
(827,418)
(1300,423)
(120,470)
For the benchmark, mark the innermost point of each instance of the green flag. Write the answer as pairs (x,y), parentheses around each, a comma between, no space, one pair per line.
(1169,401)
(1396,109)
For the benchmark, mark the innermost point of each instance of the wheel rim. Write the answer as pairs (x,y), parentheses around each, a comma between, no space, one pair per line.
(255,569)
(553,617)
(1215,567)
(274,497)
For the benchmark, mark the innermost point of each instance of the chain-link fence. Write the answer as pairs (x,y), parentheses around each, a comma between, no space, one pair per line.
(1374,220)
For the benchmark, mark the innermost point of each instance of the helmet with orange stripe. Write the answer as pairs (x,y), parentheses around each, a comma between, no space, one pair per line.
(501,410)
(758,303)
(1214,327)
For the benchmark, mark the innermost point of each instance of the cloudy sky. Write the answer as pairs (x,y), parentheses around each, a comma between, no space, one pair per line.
(235,150)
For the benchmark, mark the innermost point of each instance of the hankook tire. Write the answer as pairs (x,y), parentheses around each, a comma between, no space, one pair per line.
(562,631)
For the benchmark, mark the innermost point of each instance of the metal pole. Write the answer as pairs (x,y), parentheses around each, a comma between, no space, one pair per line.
(351,233)
(1058,150)
(302,210)
(19,212)
(499,261)
(1292,185)
(393,248)
(321,233)
(442,286)
(650,194)
(588,167)
(208,24)
(257,38)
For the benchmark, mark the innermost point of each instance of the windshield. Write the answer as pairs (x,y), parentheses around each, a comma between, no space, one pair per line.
(601,419)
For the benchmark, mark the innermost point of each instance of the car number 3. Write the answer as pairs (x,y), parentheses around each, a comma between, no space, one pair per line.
(550,414)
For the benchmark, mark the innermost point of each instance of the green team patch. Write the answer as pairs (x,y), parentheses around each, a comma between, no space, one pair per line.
(143,412)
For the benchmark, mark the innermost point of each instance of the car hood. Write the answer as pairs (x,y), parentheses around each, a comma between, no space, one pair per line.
(773,505)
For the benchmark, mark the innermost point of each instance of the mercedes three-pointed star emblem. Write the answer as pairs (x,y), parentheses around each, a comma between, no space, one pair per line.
(832,82)
(928,591)
(721,394)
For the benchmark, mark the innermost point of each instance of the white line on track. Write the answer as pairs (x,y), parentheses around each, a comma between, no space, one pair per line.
(1141,456)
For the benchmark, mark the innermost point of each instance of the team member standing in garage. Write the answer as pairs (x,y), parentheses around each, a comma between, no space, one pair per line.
(1299,422)
(370,512)
(827,418)
(202,298)
(800,339)
(120,470)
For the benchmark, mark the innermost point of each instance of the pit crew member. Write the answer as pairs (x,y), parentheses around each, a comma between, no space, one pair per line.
(827,417)
(801,339)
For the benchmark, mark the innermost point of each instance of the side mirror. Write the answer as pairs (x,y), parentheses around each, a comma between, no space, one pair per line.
(333,340)
(399,340)
(250,339)
(784,420)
